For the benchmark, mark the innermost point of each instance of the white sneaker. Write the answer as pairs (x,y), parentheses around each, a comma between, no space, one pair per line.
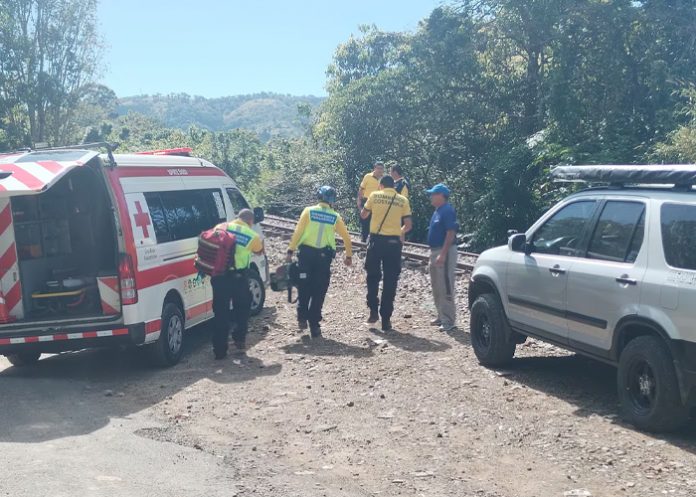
(447,327)
(436,322)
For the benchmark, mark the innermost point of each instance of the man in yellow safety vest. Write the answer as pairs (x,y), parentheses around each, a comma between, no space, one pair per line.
(234,286)
(315,240)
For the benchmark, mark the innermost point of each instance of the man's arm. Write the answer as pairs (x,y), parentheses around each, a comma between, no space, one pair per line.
(256,245)
(365,212)
(342,230)
(297,234)
(451,226)
(360,197)
(406,226)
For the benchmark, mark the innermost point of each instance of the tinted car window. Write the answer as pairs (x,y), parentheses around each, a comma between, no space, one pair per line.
(562,234)
(616,228)
(158,216)
(237,200)
(679,235)
(186,213)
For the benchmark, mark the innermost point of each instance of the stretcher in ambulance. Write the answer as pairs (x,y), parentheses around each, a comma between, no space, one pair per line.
(97,250)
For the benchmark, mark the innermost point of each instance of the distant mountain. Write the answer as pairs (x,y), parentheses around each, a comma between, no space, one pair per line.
(269,114)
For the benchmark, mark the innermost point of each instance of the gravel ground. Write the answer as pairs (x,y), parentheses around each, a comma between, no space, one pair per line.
(363,413)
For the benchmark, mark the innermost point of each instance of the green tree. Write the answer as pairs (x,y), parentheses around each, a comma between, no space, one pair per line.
(48,55)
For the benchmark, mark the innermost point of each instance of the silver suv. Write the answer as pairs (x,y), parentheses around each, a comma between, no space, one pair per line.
(610,272)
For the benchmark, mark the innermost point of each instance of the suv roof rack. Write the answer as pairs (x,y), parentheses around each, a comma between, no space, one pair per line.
(679,175)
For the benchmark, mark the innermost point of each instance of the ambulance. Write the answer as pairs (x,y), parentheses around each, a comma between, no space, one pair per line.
(97,249)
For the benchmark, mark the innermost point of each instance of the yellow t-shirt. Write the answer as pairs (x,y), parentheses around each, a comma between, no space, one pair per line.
(378,204)
(369,184)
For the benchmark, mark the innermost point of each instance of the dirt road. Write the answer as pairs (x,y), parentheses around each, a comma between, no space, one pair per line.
(359,413)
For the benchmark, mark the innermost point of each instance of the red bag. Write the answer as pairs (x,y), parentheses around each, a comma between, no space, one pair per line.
(215,253)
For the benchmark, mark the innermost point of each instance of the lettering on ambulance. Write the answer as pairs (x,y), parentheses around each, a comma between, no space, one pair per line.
(177,172)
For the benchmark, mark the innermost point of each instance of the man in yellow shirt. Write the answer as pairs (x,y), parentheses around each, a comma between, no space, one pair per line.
(234,286)
(315,235)
(391,220)
(368,185)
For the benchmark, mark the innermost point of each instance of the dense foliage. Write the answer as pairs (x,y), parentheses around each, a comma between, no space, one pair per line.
(486,95)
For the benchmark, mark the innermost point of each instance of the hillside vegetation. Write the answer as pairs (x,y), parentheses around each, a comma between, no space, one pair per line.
(270,115)
(485,95)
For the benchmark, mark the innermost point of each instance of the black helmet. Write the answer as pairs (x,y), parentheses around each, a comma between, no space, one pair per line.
(327,194)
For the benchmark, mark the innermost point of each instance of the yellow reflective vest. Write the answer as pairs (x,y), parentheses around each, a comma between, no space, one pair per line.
(317,228)
(248,242)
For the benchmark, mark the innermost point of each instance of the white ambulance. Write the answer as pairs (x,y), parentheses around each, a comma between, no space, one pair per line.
(97,250)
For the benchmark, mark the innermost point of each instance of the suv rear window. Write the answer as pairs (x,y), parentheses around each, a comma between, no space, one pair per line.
(679,235)
(619,232)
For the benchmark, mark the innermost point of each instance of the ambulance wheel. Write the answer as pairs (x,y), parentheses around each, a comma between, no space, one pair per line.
(24,358)
(168,348)
(258,293)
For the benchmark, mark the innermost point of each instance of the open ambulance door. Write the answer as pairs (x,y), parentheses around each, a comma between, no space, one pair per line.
(27,174)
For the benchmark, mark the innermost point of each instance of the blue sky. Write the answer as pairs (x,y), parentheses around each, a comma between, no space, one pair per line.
(229,47)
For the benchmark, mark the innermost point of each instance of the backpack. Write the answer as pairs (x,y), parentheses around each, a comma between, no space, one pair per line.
(216,249)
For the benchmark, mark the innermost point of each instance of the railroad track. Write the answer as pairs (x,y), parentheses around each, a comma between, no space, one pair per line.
(281,226)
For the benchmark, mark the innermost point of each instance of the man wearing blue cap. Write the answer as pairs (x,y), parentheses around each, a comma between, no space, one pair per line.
(443,257)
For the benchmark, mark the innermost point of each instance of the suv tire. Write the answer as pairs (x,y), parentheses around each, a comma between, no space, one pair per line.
(21,359)
(168,348)
(490,331)
(648,386)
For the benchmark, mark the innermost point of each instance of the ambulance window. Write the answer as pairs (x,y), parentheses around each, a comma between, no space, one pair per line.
(159,218)
(188,213)
(237,200)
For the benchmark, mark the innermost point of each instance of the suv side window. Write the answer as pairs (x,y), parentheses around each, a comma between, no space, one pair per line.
(562,234)
(237,200)
(678,227)
(618,235)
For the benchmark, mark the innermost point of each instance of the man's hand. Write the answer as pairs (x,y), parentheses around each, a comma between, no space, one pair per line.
(348,261)
(288,258)
(441,259)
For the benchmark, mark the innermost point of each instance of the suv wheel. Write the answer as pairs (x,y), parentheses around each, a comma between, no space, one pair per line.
(490,332)
(648,387)
(168,348)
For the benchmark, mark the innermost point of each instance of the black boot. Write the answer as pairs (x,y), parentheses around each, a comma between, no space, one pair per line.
(386,324)
(315,330)
(374,317)
(302,324)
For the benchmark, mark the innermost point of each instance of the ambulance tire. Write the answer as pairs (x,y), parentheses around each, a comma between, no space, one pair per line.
(258,293)
(24,359)
(168,348)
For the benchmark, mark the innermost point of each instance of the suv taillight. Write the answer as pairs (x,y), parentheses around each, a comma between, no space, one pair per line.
(126,273)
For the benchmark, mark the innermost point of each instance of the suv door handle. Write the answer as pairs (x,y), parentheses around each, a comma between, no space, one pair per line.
(557,270)
(625,280)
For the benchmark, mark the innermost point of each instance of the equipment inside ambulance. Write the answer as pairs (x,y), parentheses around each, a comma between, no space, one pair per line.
(59,220)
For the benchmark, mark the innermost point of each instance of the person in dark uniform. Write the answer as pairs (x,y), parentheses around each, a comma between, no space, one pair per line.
(315,240)
(391,220)
(234,286)
(401,184)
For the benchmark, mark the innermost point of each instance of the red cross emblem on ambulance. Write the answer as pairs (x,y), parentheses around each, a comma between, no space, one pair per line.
(142,219)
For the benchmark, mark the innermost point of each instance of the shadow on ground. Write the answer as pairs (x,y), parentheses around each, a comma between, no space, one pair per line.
(325,347)
(77,393)
(588,385)
(409,342)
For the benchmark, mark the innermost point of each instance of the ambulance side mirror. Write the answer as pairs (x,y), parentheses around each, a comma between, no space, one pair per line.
(259,215)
